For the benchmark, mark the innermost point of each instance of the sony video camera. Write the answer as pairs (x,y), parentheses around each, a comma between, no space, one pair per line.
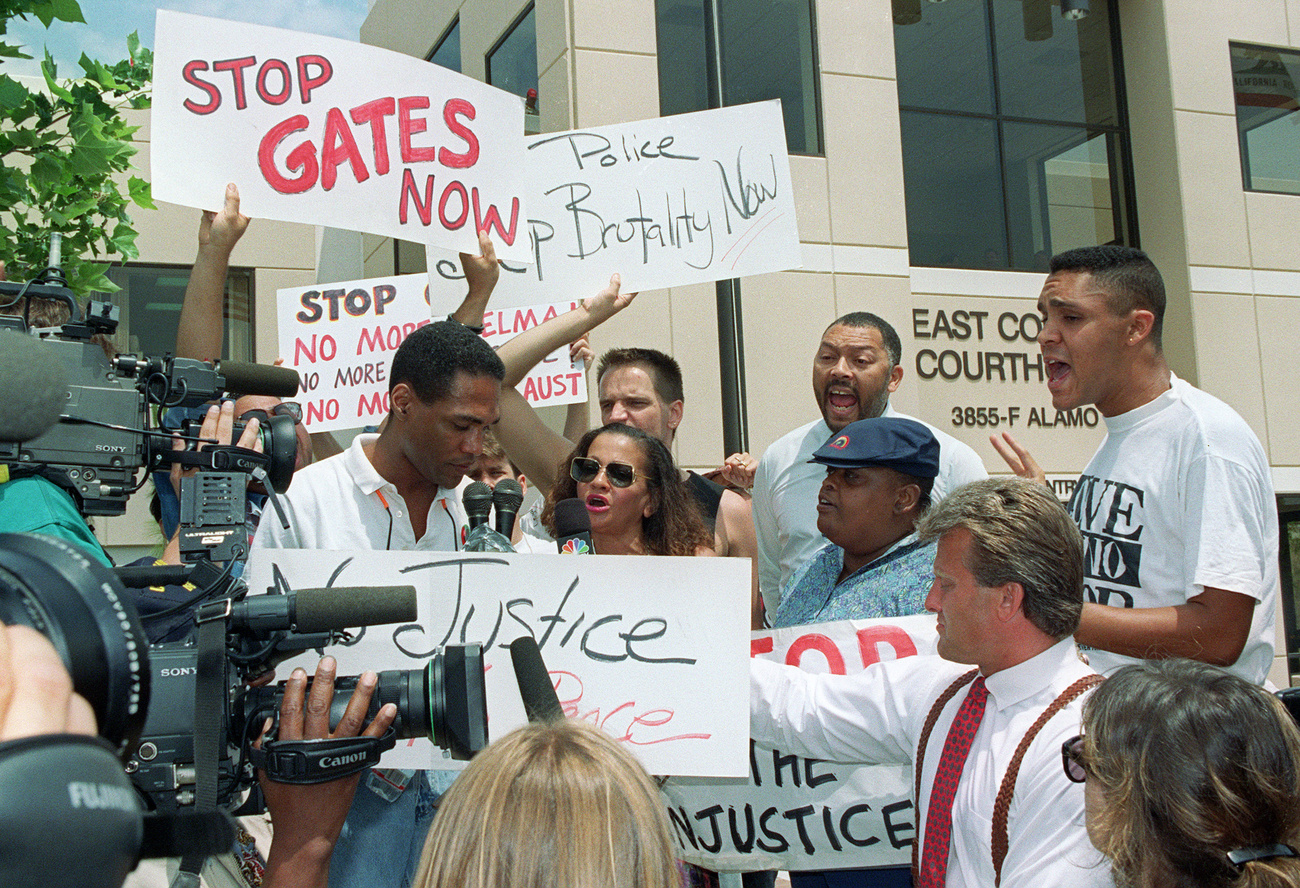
(147,700)
(103,434)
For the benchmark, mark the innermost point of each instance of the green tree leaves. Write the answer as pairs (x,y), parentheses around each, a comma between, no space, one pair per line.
(66,156)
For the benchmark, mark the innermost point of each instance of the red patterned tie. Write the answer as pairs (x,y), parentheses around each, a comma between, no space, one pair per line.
(938,818)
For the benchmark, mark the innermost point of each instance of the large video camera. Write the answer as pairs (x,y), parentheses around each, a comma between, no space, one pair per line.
(113,397)
(147,700)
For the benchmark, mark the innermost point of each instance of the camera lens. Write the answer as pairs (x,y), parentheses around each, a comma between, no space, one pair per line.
(81,607)
(444,702)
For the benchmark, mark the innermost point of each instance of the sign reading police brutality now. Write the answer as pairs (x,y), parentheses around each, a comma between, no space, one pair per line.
(341,339)
(630,643)
(666,202)
(796,813)
(330,132)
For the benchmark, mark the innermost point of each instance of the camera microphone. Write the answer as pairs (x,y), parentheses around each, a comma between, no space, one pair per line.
(259,379)
(324,610)
(573,527)
(33,388)
(507,497)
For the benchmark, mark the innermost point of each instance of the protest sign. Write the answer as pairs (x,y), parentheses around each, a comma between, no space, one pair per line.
(794,813)
(341,339)
(330,132)
(667,202)
(630,642)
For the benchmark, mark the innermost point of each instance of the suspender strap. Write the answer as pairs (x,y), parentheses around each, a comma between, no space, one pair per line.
(1002,804)
(926,731)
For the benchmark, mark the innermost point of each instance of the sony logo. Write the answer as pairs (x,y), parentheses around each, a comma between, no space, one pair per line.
(178,670)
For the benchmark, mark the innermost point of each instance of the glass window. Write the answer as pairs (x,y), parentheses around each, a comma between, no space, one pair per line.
(512,66)
(150,309)
(447,50)
(1268,125)
(767,51)
(1014,142)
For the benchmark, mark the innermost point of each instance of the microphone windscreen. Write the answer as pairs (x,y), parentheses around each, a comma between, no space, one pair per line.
(571,518)
(33,387)
(535,687)
(477,499)
(259,379)
(508,495)
(319,610)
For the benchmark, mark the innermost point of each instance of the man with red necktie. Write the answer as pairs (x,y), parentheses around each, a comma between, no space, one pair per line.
(994,806)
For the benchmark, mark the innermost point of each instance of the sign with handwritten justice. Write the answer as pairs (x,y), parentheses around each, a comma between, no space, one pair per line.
(796,813)
(630,643)
(667,202)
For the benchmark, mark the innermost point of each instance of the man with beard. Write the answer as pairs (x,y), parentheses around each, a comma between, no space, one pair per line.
(1176,507)
(855,370)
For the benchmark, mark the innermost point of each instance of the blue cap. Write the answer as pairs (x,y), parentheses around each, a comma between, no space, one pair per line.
(903,445)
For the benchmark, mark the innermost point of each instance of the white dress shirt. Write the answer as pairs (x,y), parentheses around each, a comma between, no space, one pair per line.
(877,715)
(339,503)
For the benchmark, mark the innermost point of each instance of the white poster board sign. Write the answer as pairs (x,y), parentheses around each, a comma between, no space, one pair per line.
(794,813)
(630,642)
(341,339)
(666,202)
(330,132)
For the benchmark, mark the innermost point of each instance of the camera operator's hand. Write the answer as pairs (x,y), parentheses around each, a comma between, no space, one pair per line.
(218,425)
(36,695)
(307,819)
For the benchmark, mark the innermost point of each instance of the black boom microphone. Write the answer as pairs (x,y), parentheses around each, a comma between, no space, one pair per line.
(259,379)
(33,388)
(535,687)
(323,610)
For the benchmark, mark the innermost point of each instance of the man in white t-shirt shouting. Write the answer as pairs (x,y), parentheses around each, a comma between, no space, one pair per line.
(1177,507)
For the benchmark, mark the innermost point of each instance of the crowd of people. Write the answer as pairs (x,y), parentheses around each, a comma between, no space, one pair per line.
(1094,713)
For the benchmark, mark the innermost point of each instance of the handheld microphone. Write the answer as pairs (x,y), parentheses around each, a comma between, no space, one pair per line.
(507,497)
(33,387)
(477,499)
(573,527)
(535,687)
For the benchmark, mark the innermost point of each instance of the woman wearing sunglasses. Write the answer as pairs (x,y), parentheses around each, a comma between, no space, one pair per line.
(1192,778)
(633,492)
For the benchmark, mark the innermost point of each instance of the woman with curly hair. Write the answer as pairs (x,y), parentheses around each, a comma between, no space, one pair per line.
(634,494)
(1192,779)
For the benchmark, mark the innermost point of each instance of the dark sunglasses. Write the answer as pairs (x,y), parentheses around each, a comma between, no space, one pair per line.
(584,469)
(291,409)
(1072,760)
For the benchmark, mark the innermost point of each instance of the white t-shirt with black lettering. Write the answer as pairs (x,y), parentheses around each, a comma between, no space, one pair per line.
(1180,498)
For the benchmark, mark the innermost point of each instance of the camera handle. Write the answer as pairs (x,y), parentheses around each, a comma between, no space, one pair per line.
(319,761)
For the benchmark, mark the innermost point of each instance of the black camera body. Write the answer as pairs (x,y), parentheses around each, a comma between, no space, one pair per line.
(104,436)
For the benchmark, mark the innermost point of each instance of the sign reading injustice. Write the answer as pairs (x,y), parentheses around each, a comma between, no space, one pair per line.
(795,813)
(331,132)
(628,641)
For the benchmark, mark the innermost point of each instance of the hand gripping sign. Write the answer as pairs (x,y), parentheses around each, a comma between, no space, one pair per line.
(330,132)
(795,813)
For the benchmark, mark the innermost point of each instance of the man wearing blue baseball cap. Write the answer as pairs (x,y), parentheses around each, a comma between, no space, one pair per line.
(879,473)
